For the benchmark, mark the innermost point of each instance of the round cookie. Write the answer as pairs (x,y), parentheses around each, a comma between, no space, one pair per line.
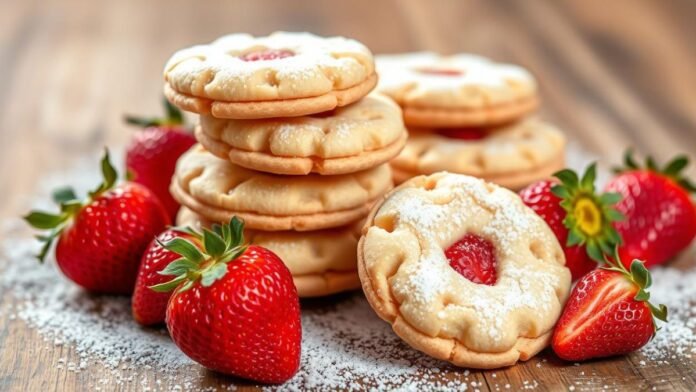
(218,190)
(456,91)
(239,76)
(322,262)
(349,139)
(513,156)
(408,280)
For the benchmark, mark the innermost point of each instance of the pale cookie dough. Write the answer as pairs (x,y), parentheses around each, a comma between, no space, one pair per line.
(456,91)
(321,262)
(409,283)
(320,74)
(350,139)
(513,156)
(218,190)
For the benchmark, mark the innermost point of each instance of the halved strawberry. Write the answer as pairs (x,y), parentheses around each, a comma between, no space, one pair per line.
(660,214)
(580,218)
(608,313)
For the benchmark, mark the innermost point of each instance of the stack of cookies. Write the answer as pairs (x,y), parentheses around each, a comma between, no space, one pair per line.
(291,141)
(469,115)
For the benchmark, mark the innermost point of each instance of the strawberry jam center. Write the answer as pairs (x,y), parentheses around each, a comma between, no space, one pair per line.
(440,71)
(463,133)
(474,258)
(268,54)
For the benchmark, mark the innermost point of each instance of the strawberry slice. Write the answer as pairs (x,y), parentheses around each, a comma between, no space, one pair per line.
(607,314)
(474,258)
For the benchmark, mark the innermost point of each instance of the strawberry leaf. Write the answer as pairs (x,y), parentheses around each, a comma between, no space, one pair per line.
(174,115)
(589,177)
(642,295)
(178,267)
(212,274)
(184,248)
(675,167)
(640,274)
(236,227)
(170,285)
(44,220)
(659,312)
(213,243)
(109,176)
(64,195)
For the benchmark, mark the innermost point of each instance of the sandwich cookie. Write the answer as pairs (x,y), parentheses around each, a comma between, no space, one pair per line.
(239,76)
(349,139)
(217,189)
(513,156)
(463,271)
(456,91)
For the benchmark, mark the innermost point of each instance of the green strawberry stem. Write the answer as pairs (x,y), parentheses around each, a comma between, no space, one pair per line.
(207,261)
(70,205)
(589,216)
(673,169)
(173,116)
(640,276)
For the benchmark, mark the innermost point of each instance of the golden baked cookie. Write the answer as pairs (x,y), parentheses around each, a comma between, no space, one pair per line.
(513,156)
(349,139)
(218,190)
(322,262)
(409,279)
(456,91)
(239,76)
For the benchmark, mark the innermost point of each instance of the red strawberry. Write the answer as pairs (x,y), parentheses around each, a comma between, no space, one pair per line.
(607,314)
(660,215)
(474,258)
(101,239)
(152,153)
(580,219)
(149,307)
(235,309)
(265,55)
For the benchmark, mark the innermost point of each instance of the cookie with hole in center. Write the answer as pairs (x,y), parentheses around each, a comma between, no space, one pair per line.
(239,76)
(349,139)
(322,262)
(461,90)
(217,189)
(512,156)
(463,271)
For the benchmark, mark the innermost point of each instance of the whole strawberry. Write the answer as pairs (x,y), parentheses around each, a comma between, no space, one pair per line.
(579,217)
(235,309)
(149,307)
(101,239)
(660,214)
(607,314)
(152,153)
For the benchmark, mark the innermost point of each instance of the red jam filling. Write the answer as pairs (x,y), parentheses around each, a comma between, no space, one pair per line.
(474,258)
(268,54)
(463,133)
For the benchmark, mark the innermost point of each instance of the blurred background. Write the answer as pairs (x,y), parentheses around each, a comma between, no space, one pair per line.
(612,74)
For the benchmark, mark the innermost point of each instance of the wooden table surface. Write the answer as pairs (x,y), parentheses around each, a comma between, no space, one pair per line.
(613,74)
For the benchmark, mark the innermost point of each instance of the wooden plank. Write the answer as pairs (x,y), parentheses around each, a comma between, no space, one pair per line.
(610,76)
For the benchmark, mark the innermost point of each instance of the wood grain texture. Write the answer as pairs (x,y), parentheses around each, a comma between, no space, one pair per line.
(613,74)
